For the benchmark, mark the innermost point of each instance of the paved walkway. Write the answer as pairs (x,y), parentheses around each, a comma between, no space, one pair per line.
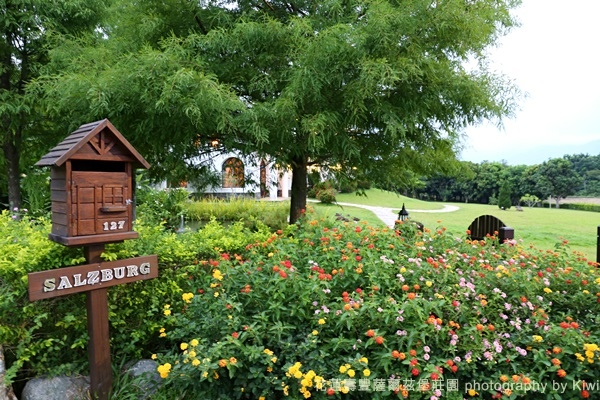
(389,217)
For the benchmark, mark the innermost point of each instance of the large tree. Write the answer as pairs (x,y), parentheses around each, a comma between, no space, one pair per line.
(27,28)
(384,86)
(556,178)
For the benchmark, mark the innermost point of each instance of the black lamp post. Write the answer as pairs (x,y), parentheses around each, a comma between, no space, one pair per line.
(403,214)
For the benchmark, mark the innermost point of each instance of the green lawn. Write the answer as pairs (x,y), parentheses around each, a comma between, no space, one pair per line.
(541,227)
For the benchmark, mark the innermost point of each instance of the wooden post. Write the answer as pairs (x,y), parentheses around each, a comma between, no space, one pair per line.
(99,344)
(598,246)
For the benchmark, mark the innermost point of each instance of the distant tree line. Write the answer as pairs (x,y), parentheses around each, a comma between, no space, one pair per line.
(557,178)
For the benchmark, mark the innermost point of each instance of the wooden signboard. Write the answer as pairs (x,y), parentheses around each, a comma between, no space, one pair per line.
(93,203)
(64,281)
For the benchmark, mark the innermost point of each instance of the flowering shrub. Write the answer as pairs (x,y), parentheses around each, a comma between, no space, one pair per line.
(354,311)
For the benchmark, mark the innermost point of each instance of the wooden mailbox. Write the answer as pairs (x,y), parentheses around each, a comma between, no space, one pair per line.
(92,186)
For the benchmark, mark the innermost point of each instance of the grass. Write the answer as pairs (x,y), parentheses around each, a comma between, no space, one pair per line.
(539,227)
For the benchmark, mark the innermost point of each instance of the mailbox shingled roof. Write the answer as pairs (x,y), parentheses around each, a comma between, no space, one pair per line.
(72,143)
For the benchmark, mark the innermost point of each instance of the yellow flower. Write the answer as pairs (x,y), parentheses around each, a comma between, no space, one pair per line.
(163,334)
(402,270)
(321,321)
(261,398)
(472,392)
(153,356)
(547,290)
(364,360)
(216,294)
(164,370)
(167,312)
(315,332)
(428,283)
(269,255)
(343,369)
(591,347)
(205,374)
(183,346)
(344,389)
(187,297)
(366,372)
(194,342)
(195,362)
(192,354)
(273,360)
(217,275)
(215,375)
(167,306)
(351,373)
(268,352)
(537,338)
(232,360)
(298,375)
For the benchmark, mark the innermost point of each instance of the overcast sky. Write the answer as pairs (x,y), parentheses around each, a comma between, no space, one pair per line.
(553,57)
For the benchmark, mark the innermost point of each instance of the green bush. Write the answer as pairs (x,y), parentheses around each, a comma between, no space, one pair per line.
(581,207)
(50,336)
(162,206)
(272,214)
(504,201)
(326,196)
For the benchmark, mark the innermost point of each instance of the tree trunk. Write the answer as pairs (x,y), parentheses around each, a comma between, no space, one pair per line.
(299,188)
(11,156)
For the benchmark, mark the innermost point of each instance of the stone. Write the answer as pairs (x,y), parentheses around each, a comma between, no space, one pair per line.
(6,392)
(57,388)
(146,376)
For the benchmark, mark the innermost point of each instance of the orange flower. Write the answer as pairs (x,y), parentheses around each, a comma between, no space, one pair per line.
(222,363)
(503,378)
(561,373)
(555,361)
(479,327)
(370,333)
(413,353)
(395,354)
(556,350)
(411,296)
(379,340)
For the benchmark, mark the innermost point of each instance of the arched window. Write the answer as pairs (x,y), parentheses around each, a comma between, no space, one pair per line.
(233,173)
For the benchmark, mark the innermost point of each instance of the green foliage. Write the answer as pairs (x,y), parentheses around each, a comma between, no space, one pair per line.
(250,211)
(161,206)
(504,201)
(581,207)
(326,196)
(530,200)
(344,302)
(50,336)
(36,191)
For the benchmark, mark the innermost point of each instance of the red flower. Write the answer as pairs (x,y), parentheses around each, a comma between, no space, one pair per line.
(454,368)
(414,372)
(585,394)
(330,392)
(435,376)
(235,335)
(283,274)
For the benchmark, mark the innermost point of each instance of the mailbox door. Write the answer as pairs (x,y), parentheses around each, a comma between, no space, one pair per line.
(101,203)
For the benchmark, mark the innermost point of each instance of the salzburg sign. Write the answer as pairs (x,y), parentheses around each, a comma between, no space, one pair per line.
(63,281)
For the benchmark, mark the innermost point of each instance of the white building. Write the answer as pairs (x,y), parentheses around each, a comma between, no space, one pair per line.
(243,176)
